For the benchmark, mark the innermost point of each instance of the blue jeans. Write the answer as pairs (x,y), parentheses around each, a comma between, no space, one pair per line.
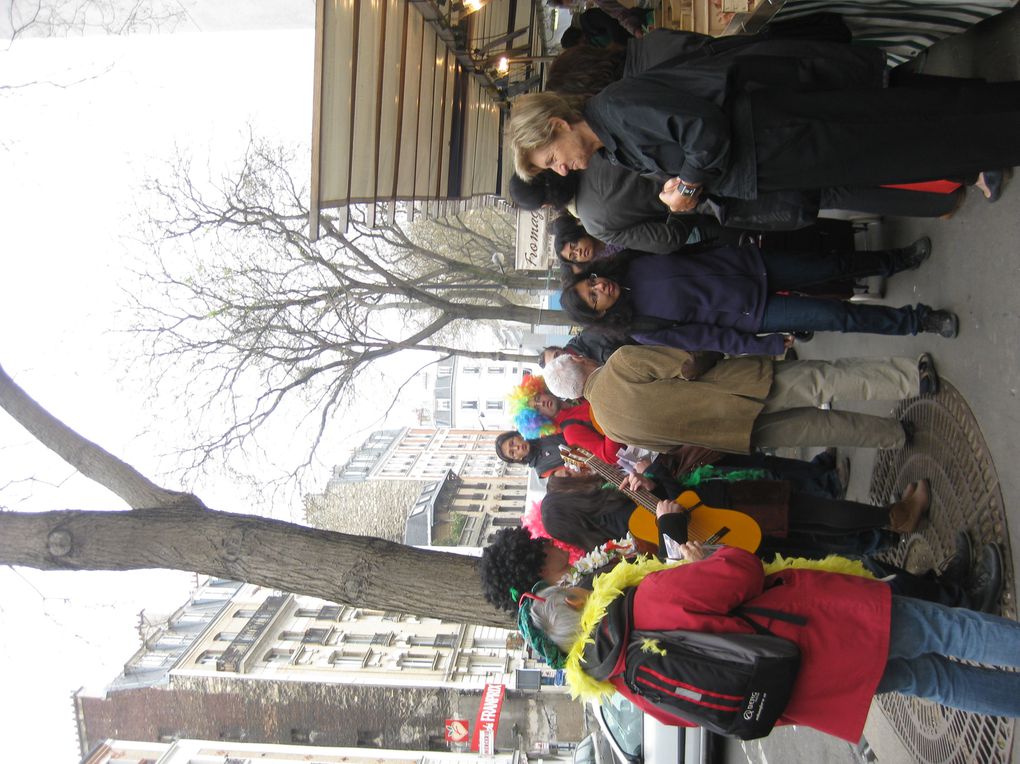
(792,270)
(818,314)
(795,270)
(922,634)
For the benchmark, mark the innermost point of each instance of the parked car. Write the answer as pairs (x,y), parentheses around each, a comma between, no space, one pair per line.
(637,738)
(595,749)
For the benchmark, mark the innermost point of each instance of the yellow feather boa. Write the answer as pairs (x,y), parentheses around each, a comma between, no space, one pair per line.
(610,585)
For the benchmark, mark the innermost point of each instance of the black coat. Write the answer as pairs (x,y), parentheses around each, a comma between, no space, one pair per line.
(793,115)
(597,345)
(690,115)
(619,206)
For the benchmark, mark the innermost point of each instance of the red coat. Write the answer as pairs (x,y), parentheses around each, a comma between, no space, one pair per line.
(586,436)
(844,645)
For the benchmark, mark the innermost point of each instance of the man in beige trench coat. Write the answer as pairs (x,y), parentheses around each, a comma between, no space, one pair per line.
(661,397)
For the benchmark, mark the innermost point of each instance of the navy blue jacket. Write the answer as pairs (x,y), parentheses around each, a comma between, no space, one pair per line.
(716,298)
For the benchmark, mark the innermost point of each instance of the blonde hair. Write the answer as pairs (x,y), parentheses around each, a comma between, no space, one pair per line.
(531,127)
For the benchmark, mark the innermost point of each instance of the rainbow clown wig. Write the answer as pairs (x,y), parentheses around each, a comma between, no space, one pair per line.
(529,423)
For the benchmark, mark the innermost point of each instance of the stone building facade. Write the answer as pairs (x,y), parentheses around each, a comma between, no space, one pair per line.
(261,666)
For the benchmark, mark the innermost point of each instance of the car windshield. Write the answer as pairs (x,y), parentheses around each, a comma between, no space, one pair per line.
(624,722)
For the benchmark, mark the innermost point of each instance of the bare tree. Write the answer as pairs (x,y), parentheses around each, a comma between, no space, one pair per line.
(63,18)
(244,300)
(70,18)
(170,529)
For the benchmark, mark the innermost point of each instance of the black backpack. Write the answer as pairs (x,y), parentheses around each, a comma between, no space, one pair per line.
(732,684)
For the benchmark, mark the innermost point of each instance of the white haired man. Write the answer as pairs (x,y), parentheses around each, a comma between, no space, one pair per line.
(660,397)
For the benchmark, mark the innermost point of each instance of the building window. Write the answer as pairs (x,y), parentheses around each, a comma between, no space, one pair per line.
(495,370)
(443,404)
(419,661)
(226,636)
(445,640)
(358,639)
(315,636)
(154,660)
(244,613)
(528,679)
(472,405)
(472,370)
(382,639)
(481,665)
(348,659)
(208,657)
(494,405)
(278,656)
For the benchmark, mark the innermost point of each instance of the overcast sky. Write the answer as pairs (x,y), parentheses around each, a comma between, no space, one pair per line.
(71,161)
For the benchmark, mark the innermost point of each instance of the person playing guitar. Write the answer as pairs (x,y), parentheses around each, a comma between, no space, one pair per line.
(786,521)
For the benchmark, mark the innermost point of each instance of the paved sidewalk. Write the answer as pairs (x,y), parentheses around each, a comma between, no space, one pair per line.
(975,271)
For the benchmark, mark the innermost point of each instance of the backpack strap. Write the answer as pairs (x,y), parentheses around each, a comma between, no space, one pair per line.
(742,611)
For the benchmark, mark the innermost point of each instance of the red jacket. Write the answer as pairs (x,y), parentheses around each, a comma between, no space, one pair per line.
(584,435)
(844,645)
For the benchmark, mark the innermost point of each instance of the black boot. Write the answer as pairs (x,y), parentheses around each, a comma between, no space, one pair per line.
(925,586)
(910,258)
(929,380)
(957,568)
(941,322)
(984,587)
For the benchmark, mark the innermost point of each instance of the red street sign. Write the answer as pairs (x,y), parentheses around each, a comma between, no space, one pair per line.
(488,718)
(456,730)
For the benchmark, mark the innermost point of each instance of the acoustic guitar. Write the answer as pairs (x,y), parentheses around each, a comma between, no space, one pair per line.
(709,525)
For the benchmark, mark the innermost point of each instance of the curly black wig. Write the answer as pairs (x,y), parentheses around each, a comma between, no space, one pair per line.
(546,188)
(512,561)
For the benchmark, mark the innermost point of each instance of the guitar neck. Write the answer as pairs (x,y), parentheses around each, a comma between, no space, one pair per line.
(614,475)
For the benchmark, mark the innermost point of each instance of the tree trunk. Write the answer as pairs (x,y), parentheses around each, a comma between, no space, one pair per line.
(84,455)
(351,570)
(517,313)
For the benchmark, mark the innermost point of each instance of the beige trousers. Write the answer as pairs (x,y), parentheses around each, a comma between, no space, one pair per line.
(791,416)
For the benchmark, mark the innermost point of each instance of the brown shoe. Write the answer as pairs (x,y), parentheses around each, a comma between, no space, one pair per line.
(906,514)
